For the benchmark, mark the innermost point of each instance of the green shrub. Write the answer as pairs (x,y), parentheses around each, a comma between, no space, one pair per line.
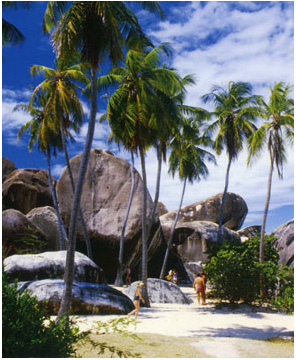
(24,333)
(284,299)
(233,270)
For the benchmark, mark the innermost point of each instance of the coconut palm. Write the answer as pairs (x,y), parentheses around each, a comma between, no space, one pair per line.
(276,132)
(189,158)
(96,30)
(144,97)
(46,140)
(235,109)
(65,108)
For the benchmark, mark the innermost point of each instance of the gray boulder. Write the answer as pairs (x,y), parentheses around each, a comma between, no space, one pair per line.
(285,242)
(160,291)
(104,202)
(191,241)
(7,167)
(88,299)
(46,220)
(161,209)
(250,231)
(235,212)
(20,234)
(51,265)
(26,189)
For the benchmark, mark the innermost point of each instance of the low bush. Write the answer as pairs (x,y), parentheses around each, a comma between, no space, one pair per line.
(234,271)
(284,298)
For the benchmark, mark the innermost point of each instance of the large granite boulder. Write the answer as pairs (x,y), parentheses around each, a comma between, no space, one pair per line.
(26,189)
(20,234)
(161,209)
(285,242)
(249,232)
(51,265)
(191,241)
(160,291)
(104,203)
(88,299)
(7,167)
(235,212)
(46,220)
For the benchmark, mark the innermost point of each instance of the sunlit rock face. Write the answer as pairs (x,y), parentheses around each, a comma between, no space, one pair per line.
(51,265)
(26,189)
(104,203)
(87,298)
(235,212)
(160,291)
(285,242)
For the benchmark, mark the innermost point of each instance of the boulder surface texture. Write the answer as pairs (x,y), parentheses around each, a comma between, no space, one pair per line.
(160,291)
(104,204)
(26,189)
(51,265)
(285,242)
(88,299)
(7,167)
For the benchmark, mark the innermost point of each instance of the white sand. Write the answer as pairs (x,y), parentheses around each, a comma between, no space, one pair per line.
(204,321)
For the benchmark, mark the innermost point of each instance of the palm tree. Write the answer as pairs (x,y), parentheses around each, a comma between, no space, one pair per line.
(96,30)
(10,33)
(143,98)
(275,132)
(188,158)
(65,108)
(41,133)
(235,109)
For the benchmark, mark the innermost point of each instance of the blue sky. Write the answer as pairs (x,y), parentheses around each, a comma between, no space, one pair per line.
(216,41)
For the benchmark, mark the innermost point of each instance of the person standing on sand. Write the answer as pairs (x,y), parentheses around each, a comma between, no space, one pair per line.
(128,278)
(137,298)
(199,286)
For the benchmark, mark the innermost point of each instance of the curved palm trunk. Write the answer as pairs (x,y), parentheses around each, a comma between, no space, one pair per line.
(84,229)
(144,231)
(163,269)
(267,201)
(69,270)
(118,280)
(61,229)
(220,229)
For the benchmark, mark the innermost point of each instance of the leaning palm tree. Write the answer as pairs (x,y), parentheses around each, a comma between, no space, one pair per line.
(143,98)
(235,109)
(66,111)
(46,139)
(188,157)
(95,30)
(276,132)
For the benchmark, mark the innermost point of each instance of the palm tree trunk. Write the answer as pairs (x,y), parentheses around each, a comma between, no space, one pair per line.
(118,280)
(220,229)
(144,231)
(84,229)
(163,269)
(267,201)
(61,229)
(70,260)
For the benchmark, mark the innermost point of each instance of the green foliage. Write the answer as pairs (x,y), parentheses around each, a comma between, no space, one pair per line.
(284,299)
(27,330)
(234,270)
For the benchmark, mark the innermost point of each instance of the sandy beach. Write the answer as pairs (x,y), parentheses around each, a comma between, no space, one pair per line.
(218,333)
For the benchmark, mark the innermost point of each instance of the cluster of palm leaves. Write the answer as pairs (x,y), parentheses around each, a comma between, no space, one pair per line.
(146,109)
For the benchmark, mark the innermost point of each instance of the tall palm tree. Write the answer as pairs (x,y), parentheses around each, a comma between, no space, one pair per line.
(188,157)
(46,140)
(235,110)
(144,97)
(65,108)
(276,131)
(96,30)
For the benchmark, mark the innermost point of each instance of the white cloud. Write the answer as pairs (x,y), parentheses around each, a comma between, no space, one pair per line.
(57,170)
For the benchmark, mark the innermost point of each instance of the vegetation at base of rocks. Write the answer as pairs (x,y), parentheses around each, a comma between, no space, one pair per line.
(284,299)
(234,270)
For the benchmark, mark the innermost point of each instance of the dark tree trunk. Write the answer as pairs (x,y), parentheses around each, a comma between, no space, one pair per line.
(220,228)
(144,231)
(61,228)
(70,260)
(163,269)
(118,280)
